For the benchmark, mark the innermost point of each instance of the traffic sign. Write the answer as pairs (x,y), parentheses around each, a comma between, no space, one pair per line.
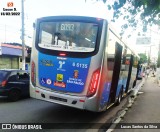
(143,40)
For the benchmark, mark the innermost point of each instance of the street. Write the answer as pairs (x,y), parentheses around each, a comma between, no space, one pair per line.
(29,110)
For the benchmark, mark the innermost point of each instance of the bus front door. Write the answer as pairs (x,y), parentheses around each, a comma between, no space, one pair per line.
(116,72)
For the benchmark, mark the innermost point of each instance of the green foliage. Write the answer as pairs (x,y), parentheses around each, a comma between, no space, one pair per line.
(143,58)
(149,12)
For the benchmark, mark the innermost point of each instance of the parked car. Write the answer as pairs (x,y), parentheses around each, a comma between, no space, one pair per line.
(14,83)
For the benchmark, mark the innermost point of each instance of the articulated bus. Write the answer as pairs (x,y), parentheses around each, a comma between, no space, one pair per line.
(79,61)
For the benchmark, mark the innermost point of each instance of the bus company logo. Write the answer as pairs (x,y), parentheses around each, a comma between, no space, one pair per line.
(46,62)
(10,4)
(75,74)
(61,63)
(59,77)
(75,81)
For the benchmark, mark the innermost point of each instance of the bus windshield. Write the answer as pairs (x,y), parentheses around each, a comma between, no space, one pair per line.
(68,36)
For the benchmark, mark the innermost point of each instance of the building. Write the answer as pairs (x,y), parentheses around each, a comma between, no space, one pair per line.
(11,56)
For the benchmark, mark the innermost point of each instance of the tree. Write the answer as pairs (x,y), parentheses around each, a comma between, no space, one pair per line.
(143,58)
(147,10)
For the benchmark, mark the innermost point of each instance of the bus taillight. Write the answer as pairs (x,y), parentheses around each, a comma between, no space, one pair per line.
(94,83)
(33,73)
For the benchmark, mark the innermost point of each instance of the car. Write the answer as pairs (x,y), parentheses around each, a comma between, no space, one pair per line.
(14,83)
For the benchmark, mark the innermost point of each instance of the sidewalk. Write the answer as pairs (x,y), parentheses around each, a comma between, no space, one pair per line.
(145,109)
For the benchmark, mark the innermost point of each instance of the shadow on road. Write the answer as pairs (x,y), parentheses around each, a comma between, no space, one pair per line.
(5,99)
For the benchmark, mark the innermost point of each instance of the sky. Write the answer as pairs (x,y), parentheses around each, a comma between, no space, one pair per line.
(10,26)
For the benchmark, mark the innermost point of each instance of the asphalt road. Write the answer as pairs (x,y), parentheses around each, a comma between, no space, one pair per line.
(29,110)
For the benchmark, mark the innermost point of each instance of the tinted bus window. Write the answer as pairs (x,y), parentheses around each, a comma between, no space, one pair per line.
(68,36)
(135,63)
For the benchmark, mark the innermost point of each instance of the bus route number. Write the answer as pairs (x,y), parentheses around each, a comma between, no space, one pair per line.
(79,65)
(67,27)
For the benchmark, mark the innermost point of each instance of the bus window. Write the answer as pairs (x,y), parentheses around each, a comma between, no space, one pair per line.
(128,57)
(68,36)
(124,55)
(135,62)
(46,37)
(110,63)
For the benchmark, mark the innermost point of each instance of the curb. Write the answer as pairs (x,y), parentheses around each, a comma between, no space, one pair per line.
(120,115)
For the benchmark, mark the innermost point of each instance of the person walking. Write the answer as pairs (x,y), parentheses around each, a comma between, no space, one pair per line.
(147,72)
(158,76)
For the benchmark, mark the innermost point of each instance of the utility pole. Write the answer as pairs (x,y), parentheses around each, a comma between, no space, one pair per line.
(158,61)
(22,36)
(148,58)
(5,33)
(149,55)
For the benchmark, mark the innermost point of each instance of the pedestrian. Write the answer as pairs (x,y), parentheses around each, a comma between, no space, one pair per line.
(147,71)
(158,76)
(153,72)
(144,71)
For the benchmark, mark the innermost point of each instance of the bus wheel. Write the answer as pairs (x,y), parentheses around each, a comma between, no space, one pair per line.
(119,98)
(14,95)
